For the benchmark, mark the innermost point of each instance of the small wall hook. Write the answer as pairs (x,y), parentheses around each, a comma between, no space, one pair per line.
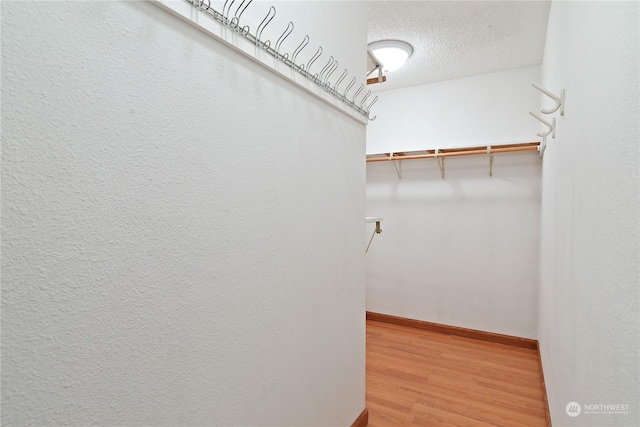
(551,126)
(296,52)
(281,39)
(559,100)
(267,19)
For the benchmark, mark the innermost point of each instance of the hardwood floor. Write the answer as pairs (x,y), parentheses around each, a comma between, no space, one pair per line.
(423,378)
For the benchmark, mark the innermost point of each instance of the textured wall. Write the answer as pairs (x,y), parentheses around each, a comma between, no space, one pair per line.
(173,250)
(461,251)
(588,327)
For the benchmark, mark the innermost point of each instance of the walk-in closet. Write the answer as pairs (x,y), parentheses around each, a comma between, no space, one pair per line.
(244,213)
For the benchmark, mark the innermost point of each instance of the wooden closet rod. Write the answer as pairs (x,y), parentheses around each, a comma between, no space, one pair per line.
(430,154)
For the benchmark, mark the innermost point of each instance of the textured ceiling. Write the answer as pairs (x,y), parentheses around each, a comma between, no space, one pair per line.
(453,39)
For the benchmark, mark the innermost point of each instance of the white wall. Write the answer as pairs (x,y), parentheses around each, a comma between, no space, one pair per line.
(588,320)
(487,109)
(461,251)
(174,252)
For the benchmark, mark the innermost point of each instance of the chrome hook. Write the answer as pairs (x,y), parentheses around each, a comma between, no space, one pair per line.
(236,15)
(365,98)
(313,59)
(262,26)
(369,108)
(340,79)
(282,38)
(331,71)
(325,69)
(200,4)
(225,15)
(353,100)
(299,49)
(235,21)
(344,95)
(372,102)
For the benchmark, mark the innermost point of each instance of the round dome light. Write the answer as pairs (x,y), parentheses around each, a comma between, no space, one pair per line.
(392,54)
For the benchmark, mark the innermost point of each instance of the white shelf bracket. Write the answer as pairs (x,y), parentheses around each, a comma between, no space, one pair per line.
(377,230)
(542,147)
(396,166)
(490,161)
(440,163)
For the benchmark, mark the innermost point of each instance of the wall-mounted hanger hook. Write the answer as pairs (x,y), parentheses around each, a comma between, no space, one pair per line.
(313,59)
(235,21)
(369,109)
(225,15)
(325,69)
(333,68)
(349,86)
(362,101)
(299,49)
(353,100)
(547,124)
(340,79)
(559,100)
(281,39)
(267,19)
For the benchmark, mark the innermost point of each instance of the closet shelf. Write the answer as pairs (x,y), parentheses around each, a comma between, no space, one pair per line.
(449,152)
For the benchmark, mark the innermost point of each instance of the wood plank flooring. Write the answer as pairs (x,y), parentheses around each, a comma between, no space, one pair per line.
(424,378)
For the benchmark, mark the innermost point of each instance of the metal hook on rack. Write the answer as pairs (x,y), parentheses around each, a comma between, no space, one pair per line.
(340,79)
(281,39)
(353,100)
(324,70)
(365,98)
(226,18)
(329,73)
(262,26)
(299,49)
(200,4)
(225,15)
(235,21)
(344,95)
(559,100)
(490,161)
(551,126)
(369,108)
(313,59)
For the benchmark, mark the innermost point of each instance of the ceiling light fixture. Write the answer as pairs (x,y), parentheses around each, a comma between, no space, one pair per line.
(391,54)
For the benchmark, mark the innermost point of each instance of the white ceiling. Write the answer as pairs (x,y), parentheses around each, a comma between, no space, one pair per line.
(453,39)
